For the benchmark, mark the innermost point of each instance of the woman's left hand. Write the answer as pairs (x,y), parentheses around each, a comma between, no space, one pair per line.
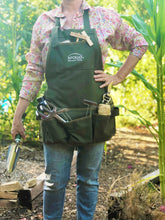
(100,76)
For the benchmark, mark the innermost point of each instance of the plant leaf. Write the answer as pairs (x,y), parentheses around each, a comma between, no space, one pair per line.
(143,121)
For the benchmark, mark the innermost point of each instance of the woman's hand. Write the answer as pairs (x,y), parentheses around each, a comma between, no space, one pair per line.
(17,128)
(100,76)
(122,73)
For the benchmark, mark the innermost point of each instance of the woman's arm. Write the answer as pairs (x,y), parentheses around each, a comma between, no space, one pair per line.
(127,68)
(32,79)
(17,126)
(121,37)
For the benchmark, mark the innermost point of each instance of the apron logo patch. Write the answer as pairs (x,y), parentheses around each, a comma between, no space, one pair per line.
(75,57)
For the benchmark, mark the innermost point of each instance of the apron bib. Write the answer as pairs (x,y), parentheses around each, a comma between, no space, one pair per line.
(69,74)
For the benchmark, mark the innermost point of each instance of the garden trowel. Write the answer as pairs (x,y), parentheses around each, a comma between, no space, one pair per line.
(13,153)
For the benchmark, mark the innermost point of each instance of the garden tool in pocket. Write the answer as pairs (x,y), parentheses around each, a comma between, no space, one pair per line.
(107,104)
(46,110)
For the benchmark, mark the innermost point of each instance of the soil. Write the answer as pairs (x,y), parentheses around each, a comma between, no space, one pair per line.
(127,151)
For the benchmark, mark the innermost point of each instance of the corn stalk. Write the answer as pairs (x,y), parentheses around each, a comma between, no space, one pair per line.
(152,26)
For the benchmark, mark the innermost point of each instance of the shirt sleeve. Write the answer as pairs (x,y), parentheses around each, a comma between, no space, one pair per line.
(139,51)
(125,37)
(34,72)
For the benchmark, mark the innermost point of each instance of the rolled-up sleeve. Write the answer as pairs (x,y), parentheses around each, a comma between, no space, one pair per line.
(34,72)
(127,38)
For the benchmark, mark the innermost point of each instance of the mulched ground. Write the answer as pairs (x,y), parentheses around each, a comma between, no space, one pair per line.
(127,151)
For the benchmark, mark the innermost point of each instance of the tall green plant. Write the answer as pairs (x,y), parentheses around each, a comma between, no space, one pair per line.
(15,39)
(152,26)
(17,18)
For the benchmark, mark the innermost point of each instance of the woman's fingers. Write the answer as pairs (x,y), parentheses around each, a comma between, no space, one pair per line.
(99,71)
(100,76)
(18,128)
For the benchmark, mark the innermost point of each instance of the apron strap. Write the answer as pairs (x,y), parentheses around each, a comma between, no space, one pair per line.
(57,23)
(85,19)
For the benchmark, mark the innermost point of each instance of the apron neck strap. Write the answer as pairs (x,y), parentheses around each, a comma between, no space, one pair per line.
(85,18)
(57,23)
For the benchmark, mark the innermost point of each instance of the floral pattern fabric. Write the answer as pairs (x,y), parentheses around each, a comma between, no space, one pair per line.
(110,29)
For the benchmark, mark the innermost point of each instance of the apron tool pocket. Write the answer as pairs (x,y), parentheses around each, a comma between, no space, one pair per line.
(53,131)
(103,127)
(80,130)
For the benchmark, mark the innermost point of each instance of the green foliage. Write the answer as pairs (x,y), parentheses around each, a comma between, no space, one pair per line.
(16,22)
(132,93)
(153,30)
(103,3)
(148,85)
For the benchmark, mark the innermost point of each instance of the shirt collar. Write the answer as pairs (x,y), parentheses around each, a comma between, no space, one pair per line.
(58,11)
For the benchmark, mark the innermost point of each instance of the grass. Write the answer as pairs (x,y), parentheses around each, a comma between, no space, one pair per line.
(137,201)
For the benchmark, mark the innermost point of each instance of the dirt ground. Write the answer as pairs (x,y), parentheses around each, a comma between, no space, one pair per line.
(127,151)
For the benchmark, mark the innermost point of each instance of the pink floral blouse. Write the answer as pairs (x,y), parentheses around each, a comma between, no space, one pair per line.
(110,30)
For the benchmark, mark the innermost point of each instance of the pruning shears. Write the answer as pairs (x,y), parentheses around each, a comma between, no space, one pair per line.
(46,110)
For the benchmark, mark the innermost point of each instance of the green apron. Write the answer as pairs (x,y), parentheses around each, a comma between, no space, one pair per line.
(69,74)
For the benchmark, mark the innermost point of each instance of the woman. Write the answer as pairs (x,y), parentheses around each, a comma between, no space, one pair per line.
(74,71)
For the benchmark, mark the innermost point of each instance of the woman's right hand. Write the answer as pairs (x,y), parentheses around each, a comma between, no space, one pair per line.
(17,128)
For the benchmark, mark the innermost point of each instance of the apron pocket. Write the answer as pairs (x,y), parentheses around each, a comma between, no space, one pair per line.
(83,130)
(80,130)
(103,127)
(53,131)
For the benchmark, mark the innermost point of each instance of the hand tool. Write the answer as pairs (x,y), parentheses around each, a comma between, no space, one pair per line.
(107,103)
(46,110)
(91,106)
(107,99)
(87,38)
(13,152)
(83,36)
